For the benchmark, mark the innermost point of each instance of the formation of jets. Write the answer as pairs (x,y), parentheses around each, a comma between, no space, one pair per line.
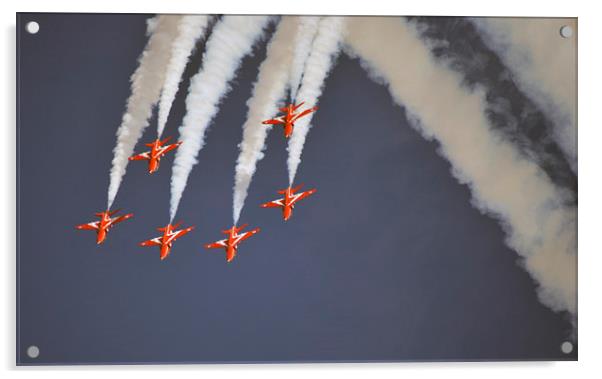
(235,235)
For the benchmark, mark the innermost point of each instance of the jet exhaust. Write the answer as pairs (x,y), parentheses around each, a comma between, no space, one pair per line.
(324,50)
(191,29)
(231,40)
(147,82)
(268,92)
(308,27)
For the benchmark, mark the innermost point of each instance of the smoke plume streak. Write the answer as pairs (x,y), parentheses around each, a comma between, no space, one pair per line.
(308,26)
(231,40)
(504,184)
(268,91)
(190,30)
(544,66)
(147,82)
(324,50)
(459,44)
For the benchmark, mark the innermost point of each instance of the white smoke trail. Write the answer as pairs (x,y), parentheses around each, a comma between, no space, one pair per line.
(190,30)
(147,82)
(308,27)
(545,67)
(503,183)
(323,53)
(231,40)
(268,91)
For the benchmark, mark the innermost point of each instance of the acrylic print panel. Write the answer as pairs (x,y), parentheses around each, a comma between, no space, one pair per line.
(437,220)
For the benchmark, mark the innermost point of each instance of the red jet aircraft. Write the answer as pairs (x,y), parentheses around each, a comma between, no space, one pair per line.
(154,155)
(106,222)
(167,239)
(289,117)
(287,203)
(230,244)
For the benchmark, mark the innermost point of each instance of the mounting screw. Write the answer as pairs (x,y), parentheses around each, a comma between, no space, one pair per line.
(33,351)
(566,347)
(32,27)
(566,31)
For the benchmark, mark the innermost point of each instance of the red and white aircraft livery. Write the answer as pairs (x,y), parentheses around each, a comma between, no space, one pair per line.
(230,244)
(170,234)
(154,155)
(289,118)
(106,222)
(287,203)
